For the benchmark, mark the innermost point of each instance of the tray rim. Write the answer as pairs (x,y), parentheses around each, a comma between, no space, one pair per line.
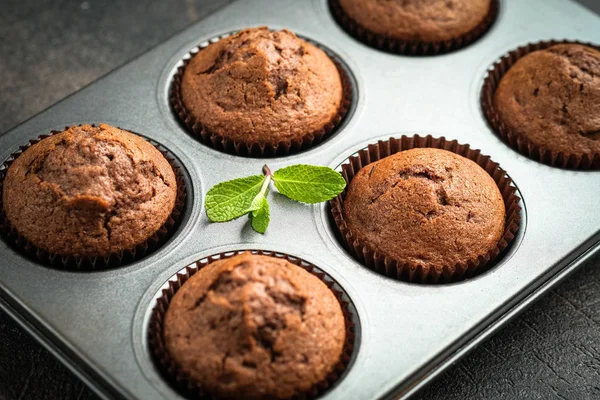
(568,267)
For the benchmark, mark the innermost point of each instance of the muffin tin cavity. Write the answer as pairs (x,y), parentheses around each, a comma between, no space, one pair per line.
(413,271)
(114,260)
(519,142)
(177,379)
(256,149)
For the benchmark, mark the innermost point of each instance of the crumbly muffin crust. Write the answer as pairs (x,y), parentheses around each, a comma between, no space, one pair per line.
(418,20)
(89,191)
(551,97)
(427,207)
(264,87)
(254,327)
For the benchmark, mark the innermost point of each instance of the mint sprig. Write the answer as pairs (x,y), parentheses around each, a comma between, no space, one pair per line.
(304,183)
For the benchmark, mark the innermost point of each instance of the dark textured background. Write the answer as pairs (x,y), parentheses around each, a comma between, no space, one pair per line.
(49,49)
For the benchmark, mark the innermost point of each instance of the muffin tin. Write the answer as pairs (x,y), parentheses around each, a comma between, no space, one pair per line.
(96,322)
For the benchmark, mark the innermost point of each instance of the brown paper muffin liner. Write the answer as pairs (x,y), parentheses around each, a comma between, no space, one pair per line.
(257,149)
(519,142)
(414,272)
(192,390)
(411,47)
(79,263)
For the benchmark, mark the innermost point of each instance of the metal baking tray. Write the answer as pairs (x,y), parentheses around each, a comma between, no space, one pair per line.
(96,322)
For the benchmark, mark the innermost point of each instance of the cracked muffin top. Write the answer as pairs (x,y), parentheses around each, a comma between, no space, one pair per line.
(259,86)
(551,97)
(89,191)
(425,206)
(419,20)
(254,327)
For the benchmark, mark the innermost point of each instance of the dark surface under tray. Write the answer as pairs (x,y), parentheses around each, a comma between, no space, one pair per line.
(49,50)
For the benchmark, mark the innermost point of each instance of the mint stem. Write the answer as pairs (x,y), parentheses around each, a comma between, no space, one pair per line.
(265,185)
(266,171)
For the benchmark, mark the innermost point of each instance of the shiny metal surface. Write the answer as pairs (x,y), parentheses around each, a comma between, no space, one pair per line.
(96,321)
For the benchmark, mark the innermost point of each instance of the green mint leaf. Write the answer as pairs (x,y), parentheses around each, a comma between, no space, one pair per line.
(308,183)
(257,202)
(260,217)
(262,194)
(232,199)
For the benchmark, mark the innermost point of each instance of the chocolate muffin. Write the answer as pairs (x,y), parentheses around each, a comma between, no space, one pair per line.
(425,207)
(415,21)
(550,99)
(89,192)
(254,327)
(262,88)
